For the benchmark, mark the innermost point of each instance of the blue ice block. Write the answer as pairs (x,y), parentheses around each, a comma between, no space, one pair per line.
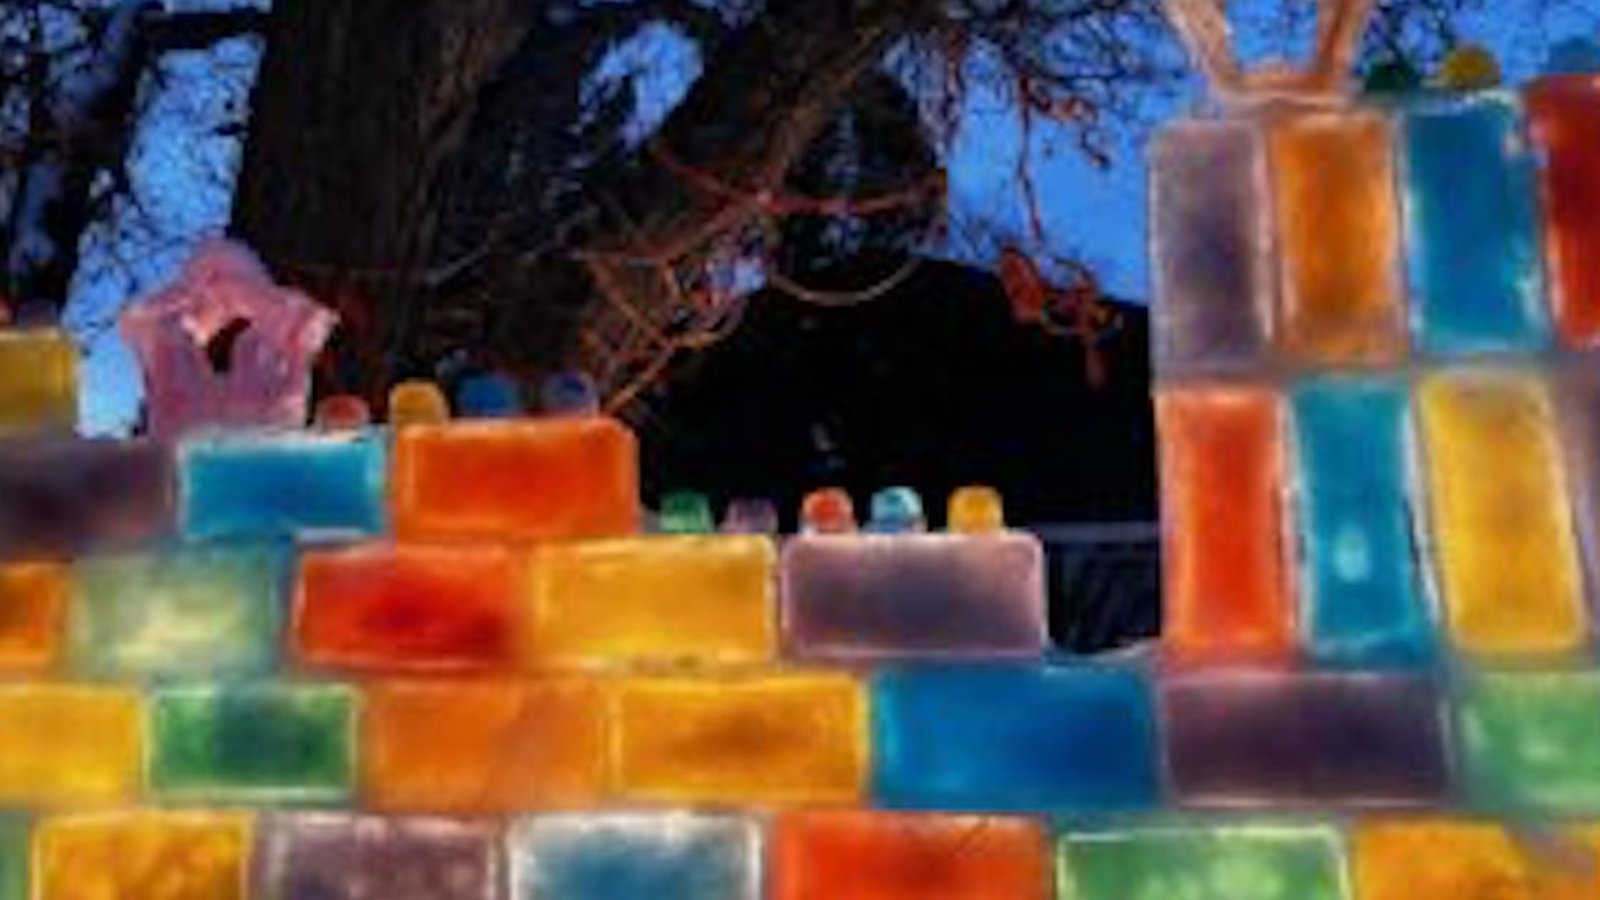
(1472,220)
(1361,584)
(624,856)
(1014,738)
(282,484)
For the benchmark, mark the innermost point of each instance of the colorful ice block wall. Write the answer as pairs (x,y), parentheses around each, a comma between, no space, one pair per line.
(442,660)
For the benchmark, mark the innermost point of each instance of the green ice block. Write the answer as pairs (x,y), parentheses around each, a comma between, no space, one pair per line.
(1237,862)
(13,858)
(1530,741)
(273,743)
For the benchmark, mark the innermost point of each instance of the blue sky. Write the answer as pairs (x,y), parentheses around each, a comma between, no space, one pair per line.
(182,175)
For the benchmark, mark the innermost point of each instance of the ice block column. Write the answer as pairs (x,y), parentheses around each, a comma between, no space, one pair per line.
(1270,739)
(1023,738)
(1212,245)
(338,857)
(1227,591)
(38,382)
(875,597)
(1472,226)
(871,855)
(1342,294)
(1503,539)
(1262,862)
(1564,120)
(1361,577)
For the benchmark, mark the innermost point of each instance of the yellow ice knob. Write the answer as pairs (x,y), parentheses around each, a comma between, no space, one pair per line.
(976,510)
(1469,68)
(417,402)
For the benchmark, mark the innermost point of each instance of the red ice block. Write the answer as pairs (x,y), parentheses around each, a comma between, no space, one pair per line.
(406,608)
(1564,120)
(520,479)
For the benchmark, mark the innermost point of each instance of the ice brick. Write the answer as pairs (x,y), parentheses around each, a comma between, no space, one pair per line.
(144,856)
(60,497)
(1196,862)
(1361,579)
(1212,242)
(190,611)
(1473,231)
(658,598)
(68,746)
(1531,741)
(1342,297)
(527,479)
(38,381)
(1227,591)
(33,605)
(323,856)
(15,867)
(1302,739)
(1564,121)
(875,597)
(622,856)
(780,739)
(1013,738)
(480,746)
(1504,546)
(1402,859)
(264,742)
(869,855)
(268,485)
(409,607)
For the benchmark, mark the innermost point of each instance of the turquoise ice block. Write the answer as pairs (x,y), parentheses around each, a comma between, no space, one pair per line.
(1014,738)
(625,856)
(1472,219)
(282,484)
(191,611)
(1361,582)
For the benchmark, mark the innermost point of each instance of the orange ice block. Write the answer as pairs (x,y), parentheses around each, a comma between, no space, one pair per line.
(1564,120)
(484,746)
(527,479)
(143,856)
(406,608)
(790,738)
(908,856)
(1339,236)
(702,598)
(1503,540)
(1408,859)
(32,603)
(69,746)
(1227,593)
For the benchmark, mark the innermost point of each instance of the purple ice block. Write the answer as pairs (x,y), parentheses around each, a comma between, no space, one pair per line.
(1288,739)
(913,596)
(60,497)
(335,857)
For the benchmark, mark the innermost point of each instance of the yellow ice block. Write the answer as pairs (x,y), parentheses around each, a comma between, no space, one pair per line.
(700,598)
(142,856)
(68,746)
(1503,540)
(1410,859)
(776,739)
(38,381)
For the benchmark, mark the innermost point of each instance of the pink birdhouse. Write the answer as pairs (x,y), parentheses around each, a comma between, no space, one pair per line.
(224,345)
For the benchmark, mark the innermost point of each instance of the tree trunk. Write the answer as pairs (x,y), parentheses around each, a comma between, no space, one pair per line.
(357,114)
